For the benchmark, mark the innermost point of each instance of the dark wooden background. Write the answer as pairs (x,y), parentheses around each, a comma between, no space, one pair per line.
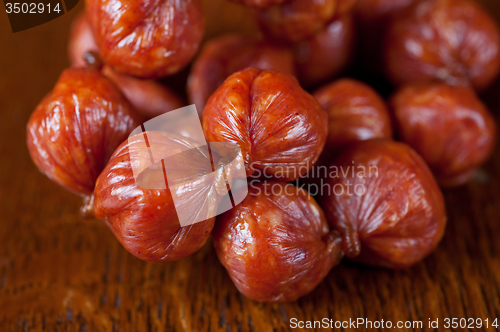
(59,272)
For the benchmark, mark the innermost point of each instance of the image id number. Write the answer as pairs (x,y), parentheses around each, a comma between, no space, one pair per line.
(30,8)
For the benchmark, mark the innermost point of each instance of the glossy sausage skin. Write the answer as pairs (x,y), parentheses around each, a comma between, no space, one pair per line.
(276,244)
(145,221)
(147,38)
(356,112)
(150,98)
(455,41)
(75,129)
(295,20)
(449,126)
(280,128)
(225,55)
(326,54)
(386,203)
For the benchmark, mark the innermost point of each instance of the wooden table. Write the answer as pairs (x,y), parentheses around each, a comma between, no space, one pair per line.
(59,272)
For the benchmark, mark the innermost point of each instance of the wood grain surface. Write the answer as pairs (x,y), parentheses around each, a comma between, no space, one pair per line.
(60,272)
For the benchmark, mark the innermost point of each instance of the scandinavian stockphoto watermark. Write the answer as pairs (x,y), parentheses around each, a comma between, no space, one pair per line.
(316,179)
(206,179)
